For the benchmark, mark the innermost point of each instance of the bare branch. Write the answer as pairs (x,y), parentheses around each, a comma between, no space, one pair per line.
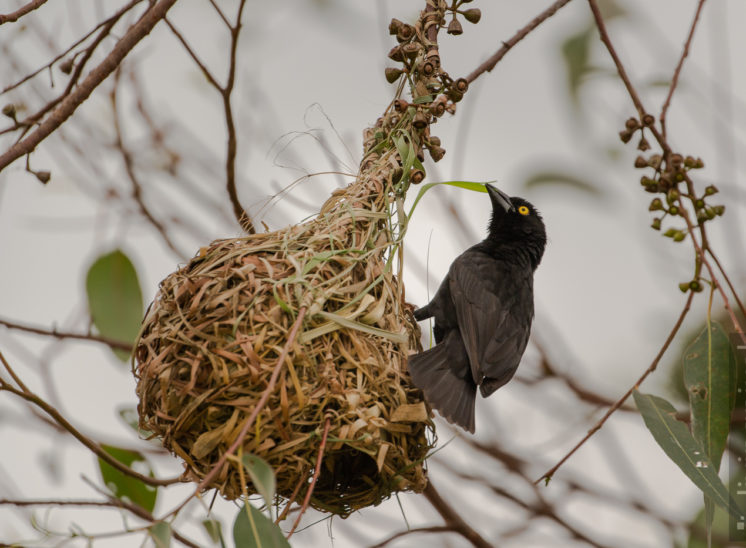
(675,79)
(490,63)
(68,106)
(20,12)
(548,475)
(119,345)
(453,519)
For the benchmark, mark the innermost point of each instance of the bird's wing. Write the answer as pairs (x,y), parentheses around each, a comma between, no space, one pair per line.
(494,308)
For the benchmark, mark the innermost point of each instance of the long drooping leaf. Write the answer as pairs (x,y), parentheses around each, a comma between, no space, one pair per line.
(467,185)
(674,438)
(710,379)
(123,486)
(252,529)
(262,476)
(114,298)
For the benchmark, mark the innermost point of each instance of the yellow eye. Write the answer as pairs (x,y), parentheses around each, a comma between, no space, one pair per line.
(523,210)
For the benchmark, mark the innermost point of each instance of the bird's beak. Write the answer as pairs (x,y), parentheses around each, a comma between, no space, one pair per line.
(499,199)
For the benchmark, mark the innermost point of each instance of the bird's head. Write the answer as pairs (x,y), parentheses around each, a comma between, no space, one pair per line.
(515,222)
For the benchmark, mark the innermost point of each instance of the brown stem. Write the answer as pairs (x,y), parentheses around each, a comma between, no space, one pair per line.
(315,477)
(119,345)
(675,79)
(67,107)
(30,397)
(453,519)
(20,12)
(490,63)
(548,475)
(392,538)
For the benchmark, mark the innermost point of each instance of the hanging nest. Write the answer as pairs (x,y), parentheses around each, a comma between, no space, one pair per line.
(213,337)
(216,329)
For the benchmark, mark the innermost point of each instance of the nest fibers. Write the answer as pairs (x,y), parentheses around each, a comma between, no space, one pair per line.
(215,331)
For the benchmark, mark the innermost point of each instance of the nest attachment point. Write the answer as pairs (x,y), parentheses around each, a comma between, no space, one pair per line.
(213,335)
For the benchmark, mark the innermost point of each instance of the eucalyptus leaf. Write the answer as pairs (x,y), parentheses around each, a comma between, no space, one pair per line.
(252,529)
(115,298)
(262,476)
(161,534)
(710,380)
(677,442)
(466,185)
(126,487)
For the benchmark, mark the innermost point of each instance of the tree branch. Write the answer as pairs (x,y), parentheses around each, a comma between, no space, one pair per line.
(452,518)
(119,345)
(20,12)
(68,106)
(490,63)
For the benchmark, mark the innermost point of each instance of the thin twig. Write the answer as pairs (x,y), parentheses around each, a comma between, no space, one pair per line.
(315,477)
(675,79)
(453,519)
(490,63)
(205,71)
(119,345)
(548,475)
(129,166)
(30,397)
(20,12)
(67,107)
(392,538)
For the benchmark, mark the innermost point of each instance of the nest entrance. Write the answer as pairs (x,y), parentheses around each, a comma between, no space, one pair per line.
(217,327)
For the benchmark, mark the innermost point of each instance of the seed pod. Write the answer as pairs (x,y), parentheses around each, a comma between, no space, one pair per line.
(673,210)
(632,124)
(43,176)
(684,286)
(648,120)
(472,15)
(420,120)
(678,177)
(689,162)
(656,224)
(670,233)
(643,144)
(405,32)
(392,74)
(421,155)
(396,54)
(410,50)
(434,141)
(646,181)
(701,216)
(66,66)
(455,96)
(672,196)
(438,108)
(699,203)
(394,26)
(641,162)
(454,27)
(695,286)
(436,153)
(655,161)
(710,190)
(400,105)
(709,212)
(679,236)
(416,176)
(461,85)
(10,111)
(625,135)
(655,205)
(698,163)
(676,160)
(718,209)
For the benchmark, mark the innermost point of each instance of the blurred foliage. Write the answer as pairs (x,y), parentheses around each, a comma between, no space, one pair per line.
(125,487)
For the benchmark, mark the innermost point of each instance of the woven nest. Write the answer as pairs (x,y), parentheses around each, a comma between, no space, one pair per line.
(216,329)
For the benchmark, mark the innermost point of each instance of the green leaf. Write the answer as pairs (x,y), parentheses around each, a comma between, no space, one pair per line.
(555,178)
(710,380)
(674,438)
(724,528)
(575,53)
(128,414)
(467,185)
(215,530)
(262,476)
(252,529)
(126,487)
(114,298)
(161,534)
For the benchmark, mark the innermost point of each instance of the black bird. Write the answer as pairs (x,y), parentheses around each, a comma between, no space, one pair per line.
(483,312)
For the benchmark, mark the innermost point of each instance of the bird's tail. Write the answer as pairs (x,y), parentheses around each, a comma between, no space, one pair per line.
(454,397)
